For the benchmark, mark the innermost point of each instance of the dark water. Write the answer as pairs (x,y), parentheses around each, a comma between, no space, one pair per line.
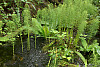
(33,58)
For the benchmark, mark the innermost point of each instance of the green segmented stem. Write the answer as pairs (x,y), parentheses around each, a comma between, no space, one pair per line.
(71,36)
(28,42)
(13,52)
(35,40)
(21,41)
(49,62)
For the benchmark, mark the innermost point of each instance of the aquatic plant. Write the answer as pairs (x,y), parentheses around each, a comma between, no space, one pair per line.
(68,23)
(27,22)
(92,28)
(69,26)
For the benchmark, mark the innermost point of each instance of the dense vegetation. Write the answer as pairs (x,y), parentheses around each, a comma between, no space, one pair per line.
(69,26)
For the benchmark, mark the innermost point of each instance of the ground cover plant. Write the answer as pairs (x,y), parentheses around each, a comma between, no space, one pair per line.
(69,28)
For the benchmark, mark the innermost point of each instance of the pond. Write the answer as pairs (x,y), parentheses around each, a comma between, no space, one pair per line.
(33,58)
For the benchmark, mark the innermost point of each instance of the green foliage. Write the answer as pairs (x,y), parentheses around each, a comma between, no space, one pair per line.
(38,29)
(91,9)
(27,15)
(66,24)
(62,51)
(11,26)
(82,57)
(71,11)
(62,21)
(29,25)
(86,47)
(94,60)
(16,20)
(1,24)
(27,18)
(93,47)
(96,2)
(36,25)
(12,34)
(92,27)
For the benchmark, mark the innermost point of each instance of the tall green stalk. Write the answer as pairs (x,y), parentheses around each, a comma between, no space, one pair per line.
(67,34)
(21,41)
(27,22)
(49,62)
(28,41)
(95,58)
(76,39)
(13,52)
(71,36)
(35,40)
(55,57)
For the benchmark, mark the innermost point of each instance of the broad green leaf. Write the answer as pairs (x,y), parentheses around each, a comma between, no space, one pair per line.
(84,43)
(37,26)
(81,56)
(90,47)
(81,49)
(98,51)
(46,31)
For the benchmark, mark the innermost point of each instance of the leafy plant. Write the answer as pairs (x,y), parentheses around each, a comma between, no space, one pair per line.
(82,57)
(92,28)
(66,26)
(86,47)
(67,23)
(1,24)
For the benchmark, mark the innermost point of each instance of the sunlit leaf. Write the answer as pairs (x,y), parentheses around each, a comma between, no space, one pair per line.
(69,58)
(98,51)
(63,56)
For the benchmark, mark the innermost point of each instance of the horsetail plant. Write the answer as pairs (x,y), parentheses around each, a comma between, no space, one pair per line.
(13,51)
(35,40)
(27,22)
(70,17)
(16,19)
(66,25)
(21,41)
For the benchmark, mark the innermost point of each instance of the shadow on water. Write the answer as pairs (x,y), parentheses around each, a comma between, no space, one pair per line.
(33,58)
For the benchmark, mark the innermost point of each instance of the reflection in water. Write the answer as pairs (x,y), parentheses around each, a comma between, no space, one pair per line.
(32,58)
